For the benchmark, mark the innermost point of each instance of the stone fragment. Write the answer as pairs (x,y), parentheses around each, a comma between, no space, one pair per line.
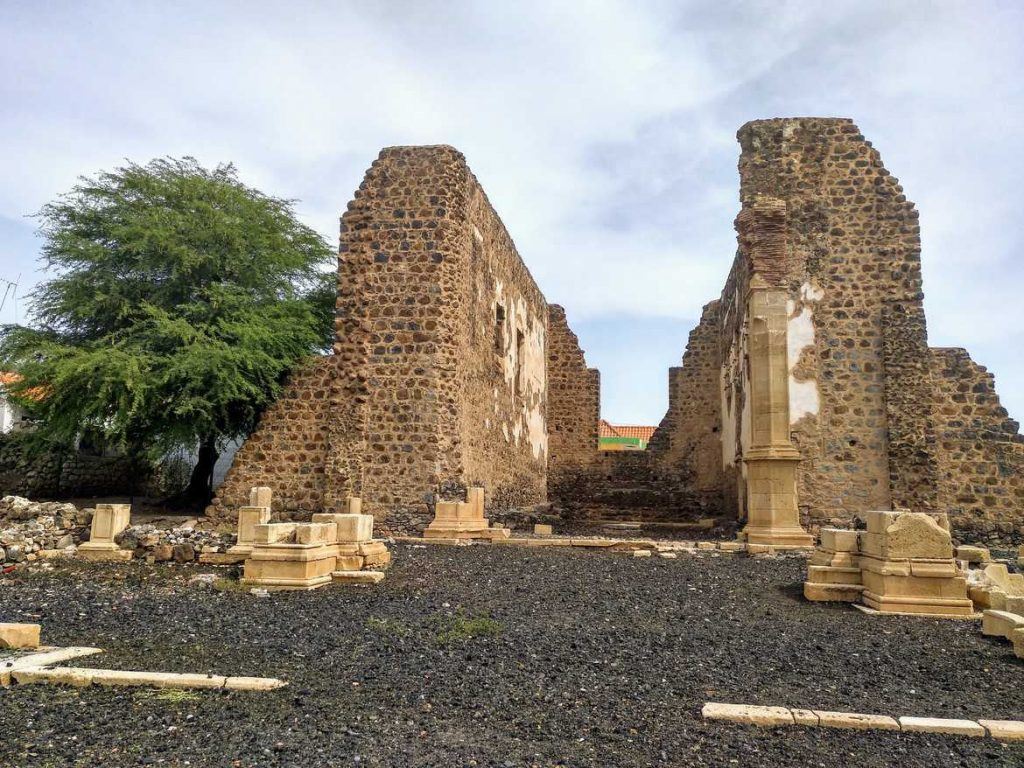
(839,540)
(747,713)
(542,529)
(641,553)
(17,635)
(1004,730)
(358,577)
(1000,623)
(856,721)
(261,496)
(973,554)
(941,725)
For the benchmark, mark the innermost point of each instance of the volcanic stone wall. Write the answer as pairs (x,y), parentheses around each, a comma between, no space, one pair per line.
(686,448)
(980,451)
(876,415)
(437,378)
(574,410)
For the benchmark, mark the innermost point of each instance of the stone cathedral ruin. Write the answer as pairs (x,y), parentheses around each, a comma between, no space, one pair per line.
(807,394)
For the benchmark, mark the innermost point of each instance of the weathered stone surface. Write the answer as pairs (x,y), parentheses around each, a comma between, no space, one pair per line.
(941,725)
(16,635)
(747,713)
(1004,730)
(973,554)
(856,721)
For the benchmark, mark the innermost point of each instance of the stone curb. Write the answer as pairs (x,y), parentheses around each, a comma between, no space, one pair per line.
(82,676)
(768,717)
(615,545)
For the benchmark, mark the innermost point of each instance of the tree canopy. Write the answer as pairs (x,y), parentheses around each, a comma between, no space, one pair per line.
(180,300)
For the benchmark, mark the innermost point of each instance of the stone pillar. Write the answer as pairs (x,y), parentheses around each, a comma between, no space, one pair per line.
(771,459)
(107,522)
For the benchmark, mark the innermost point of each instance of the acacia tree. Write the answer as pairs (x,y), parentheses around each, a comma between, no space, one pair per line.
(180,301)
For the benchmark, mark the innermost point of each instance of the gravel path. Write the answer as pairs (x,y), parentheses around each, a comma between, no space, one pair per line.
(498,656)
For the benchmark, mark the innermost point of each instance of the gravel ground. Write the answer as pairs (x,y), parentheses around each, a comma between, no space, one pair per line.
(498,656)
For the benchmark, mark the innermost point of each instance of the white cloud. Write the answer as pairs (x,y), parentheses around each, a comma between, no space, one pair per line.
(603,132)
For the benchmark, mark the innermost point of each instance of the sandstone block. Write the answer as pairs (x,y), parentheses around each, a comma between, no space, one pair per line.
(18,635)
(839,540)
(1000,623)
(248,519)
(541,529)
(273,533)
(917,535)
(747,713)
(260,496)
(973,554)
(941,725)
(856,721)
(315,533)
(358,577)
(1004,730)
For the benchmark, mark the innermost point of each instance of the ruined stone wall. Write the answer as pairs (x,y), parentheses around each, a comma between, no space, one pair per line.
(574,409)
(687,445)
(420,396)
(980,455)
(501,366)
(288,450)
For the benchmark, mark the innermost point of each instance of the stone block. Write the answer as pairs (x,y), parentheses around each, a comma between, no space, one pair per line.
(837,593)
(315,533)
(1000,623)
(1004,730)
(273,533)
(747,713)
(973,554)
(248,519)
(253,683)
(878,521)
(641,553)
(941,725)
(856,721)
(18,635)
(475,500)
(541,529)
(1010,603)
(357,577)
(839,540)
(107,522)
(260,496)
(823,574)
(354,528)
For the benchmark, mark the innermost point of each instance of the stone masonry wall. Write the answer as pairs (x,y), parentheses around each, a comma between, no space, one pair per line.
(288,450)
(980,454)
(687,445)
(420,396)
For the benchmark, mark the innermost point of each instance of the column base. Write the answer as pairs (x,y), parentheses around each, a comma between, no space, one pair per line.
(779,538)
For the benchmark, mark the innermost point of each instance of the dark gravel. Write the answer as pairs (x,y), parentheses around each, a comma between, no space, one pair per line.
(495,656)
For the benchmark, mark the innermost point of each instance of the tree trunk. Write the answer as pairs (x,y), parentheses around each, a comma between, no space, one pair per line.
(199,490)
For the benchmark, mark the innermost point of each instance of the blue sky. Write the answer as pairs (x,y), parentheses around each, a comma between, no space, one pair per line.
(604,133)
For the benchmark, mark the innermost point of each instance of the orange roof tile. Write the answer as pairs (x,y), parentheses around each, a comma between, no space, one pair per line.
(607,429)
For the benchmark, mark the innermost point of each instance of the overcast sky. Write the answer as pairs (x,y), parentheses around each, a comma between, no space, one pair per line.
(603,132)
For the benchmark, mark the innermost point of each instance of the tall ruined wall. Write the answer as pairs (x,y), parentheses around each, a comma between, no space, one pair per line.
(500,367)
(980,454)
(852,262)
(423,392)
(574,397)
(687,445)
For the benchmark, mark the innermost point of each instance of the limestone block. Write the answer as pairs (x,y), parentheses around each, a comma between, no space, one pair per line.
(17,635)
(253,683)
(1000,623)
(349,563)
(1011,603)
(540,529)
(944,569)
(805,717)
(288,574)
(832,593)
(273,533)
(248,519)
(839,540)
(821,574)
(747,713)
(941,725)
(475,499)
(354,528)
(916,535)
(358,577)
(856,721)
(107,522)
(880,520)
(354,505)
(1004,730)
(260,496)
(315,533)
(972,554)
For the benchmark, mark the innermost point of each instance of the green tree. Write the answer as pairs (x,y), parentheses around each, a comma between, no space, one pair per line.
(181,299)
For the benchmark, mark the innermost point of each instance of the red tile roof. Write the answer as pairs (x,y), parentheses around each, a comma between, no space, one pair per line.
(625,430)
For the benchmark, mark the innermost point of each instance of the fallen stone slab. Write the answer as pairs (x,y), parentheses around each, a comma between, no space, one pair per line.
(1004,730)
(748,713)
(17,635)
(856,721)
(941,725)
(1000,623)
(357,577)
(81,677)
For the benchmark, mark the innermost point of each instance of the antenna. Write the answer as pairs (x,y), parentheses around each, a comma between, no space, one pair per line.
(11,290)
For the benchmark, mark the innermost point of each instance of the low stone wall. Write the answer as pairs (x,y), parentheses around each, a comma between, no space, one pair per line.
(29,468)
